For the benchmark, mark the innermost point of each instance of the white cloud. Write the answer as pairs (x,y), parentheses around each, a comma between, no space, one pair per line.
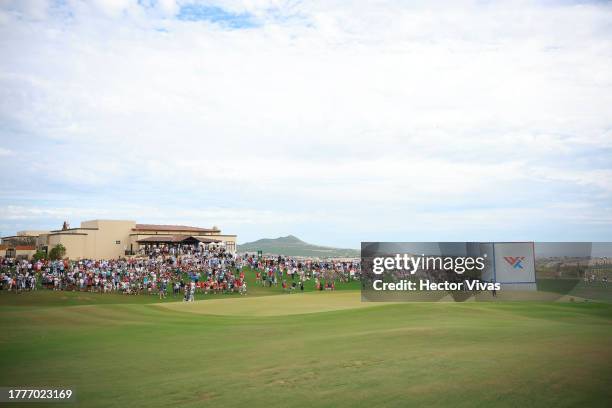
(320,104)
(30,9)
(167,7)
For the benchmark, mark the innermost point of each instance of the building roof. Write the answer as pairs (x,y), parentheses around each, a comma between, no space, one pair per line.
(207,240)
(18,247)
(69,230)
(161,238)
(174,239)
(22,238)
(31,233)
(158,227)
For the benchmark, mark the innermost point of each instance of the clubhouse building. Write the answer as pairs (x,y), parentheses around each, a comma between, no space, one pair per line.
(108,239)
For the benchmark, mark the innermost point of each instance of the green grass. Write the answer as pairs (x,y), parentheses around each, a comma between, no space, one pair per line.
(44,297)
(578,288)
(415,354)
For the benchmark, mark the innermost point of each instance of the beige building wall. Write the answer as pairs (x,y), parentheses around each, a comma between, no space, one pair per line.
(72,241)
(106,239)
(99,239)
(110,239)
(42,240)
(229,240)
(24,253)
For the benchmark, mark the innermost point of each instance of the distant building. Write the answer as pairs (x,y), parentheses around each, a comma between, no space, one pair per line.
(107,239)
(20,245)
(17,251)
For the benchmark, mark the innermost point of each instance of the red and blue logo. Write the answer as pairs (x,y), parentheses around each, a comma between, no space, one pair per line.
(515,261)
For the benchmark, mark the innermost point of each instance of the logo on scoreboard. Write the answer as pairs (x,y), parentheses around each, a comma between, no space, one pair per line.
(515,261)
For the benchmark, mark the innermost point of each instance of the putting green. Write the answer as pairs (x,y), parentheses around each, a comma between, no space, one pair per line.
(280,305)
(303,303)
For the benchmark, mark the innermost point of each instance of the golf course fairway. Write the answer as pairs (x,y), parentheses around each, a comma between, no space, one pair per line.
(302,349)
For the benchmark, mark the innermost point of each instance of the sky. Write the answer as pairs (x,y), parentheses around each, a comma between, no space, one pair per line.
(335,121)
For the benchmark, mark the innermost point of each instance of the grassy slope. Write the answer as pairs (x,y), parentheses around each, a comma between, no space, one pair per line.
(512,354)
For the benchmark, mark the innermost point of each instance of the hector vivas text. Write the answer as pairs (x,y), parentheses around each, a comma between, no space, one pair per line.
(411,264)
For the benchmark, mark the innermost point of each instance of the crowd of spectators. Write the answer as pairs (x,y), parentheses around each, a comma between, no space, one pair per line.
(183,271)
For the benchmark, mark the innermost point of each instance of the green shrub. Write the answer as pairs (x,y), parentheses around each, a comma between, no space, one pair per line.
(39,255)
(57,252)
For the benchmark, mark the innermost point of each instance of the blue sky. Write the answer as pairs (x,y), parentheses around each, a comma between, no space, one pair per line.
(332,121)
(215,14)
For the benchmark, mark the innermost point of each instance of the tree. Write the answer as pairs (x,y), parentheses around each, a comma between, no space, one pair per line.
(57,252)
(39,255)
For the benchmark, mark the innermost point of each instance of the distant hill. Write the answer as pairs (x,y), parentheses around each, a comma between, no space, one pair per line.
(293,246)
